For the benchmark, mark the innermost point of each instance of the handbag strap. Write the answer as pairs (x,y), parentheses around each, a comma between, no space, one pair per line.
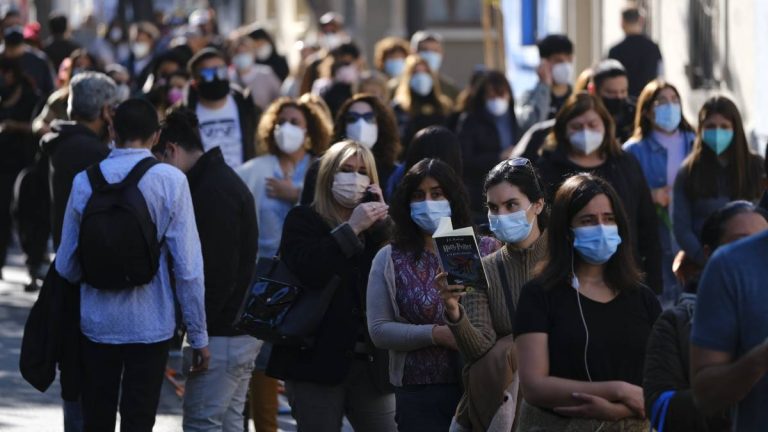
(659,410)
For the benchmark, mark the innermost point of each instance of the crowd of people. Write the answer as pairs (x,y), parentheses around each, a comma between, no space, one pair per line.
(167,160)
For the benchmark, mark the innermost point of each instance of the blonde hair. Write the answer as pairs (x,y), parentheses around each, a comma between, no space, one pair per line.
(325,204)
(403,91)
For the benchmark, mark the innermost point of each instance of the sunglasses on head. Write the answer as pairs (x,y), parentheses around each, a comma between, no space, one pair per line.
(211,74)
(352,117)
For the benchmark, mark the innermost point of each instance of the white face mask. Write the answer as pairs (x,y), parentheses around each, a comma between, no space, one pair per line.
(264,52)
(586,140)
(562,73)
(289,138)
(349,187)
(347,74)
(363,132)
(140,49)
(497,106)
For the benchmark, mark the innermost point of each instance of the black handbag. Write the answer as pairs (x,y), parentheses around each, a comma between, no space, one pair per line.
(278,309)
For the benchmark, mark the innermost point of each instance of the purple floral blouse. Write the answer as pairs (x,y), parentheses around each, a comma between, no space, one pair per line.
(419,302)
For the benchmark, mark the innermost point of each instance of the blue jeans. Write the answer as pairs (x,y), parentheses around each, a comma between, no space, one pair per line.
(214,400)
(425,408)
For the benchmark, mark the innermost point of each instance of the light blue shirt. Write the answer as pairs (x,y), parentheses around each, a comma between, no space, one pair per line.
(143,314)
(270,212)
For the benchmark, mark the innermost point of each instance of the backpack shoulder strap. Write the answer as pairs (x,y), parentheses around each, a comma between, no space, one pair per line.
(138,171)
(96,177)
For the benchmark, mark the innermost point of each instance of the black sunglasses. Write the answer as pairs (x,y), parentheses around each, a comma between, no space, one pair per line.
(352,117)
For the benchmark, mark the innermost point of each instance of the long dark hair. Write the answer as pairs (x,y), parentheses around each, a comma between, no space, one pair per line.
(743,169)
(714,225)
(621,271)
(519,172)
(643,124)
(407,235)
(435,142)
(387,147)
(495,80)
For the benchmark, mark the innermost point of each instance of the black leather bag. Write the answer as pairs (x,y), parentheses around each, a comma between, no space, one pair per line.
(278,309)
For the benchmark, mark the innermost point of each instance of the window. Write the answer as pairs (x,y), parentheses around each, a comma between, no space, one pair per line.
(705,44)
(449,13)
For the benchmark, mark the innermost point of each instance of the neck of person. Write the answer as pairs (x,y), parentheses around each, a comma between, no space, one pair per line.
(291,159)
(133,144)
(586,160)
(429,244)
(214,104)
(344,212)
(531,239)
(193,156)
(633,29)
(560,90)
(665,132)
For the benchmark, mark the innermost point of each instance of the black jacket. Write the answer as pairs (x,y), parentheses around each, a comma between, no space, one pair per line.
(667,367)
(71,148)
(52,337)
(625,175)
(640,57)
(315,252)
(249,116)
(481,150)
(533,140)
(226,222)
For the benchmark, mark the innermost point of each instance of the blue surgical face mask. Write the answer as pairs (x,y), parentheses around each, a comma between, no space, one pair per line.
(421,83)
(667,116)
(512,227)
(394,67)
(596,244)
(434,59)
(717,139)
(426,214)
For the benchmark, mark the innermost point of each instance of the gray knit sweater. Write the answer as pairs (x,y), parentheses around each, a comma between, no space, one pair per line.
(484,313)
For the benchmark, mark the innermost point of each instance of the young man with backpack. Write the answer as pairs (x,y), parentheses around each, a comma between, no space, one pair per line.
(128,222)
(226,220)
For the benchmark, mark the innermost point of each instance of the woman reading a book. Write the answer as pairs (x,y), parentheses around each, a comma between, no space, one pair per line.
(482,322)
(581,326)
(335,238)
(405,314)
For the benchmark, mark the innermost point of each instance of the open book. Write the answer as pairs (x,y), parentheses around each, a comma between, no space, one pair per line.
(459,255)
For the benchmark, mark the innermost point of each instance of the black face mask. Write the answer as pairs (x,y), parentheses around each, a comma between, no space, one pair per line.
(613,105)
(213,90)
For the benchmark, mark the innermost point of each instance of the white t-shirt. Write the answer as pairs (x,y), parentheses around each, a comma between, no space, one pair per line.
(221,128)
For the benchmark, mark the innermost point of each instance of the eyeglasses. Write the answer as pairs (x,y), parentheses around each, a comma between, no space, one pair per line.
(352,117)
(211,74)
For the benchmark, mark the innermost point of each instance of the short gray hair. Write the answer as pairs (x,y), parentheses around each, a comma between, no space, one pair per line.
(88,93)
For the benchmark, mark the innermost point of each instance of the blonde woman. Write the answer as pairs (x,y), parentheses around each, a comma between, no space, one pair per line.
(338,236)
(419,102)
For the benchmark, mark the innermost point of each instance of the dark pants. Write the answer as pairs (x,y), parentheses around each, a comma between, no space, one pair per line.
(132,373)
(425,408)
(6,198)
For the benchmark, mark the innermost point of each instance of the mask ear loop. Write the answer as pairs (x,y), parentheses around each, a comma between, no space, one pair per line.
(575,284)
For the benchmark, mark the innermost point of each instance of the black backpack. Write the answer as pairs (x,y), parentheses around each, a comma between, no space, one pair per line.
(118,239)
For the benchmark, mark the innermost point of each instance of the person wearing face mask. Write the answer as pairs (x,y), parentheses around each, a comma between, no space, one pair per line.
(487,131)
(419,100)
(582,324)
(555,73)
(481,321)
(662,140)
(226,222)
(609,81)
(265,53)
(582,141)
(334,240)
(720,168)
(227,116)
(293,134)
(143,36)
(405,313)
(389,58)
(342,76)
(259,79)
(429,45)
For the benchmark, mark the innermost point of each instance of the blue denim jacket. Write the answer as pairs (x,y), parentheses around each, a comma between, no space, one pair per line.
(653,157)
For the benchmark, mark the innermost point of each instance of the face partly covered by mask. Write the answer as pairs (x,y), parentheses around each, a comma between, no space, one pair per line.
(212,79)
(595,231)
(428,205)
(586,132)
